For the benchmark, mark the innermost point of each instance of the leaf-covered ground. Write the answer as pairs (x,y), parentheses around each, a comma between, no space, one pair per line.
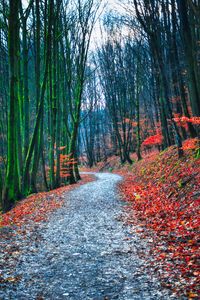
(37,207)
(22,221)
(164,198)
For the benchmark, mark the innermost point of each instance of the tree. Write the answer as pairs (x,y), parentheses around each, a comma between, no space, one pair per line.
(12,180)
(187,28)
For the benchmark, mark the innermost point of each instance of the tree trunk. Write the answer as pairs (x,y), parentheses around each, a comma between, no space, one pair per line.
(191,64)
(12,189)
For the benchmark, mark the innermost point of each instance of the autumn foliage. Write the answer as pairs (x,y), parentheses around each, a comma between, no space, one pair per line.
(66,163)
(190,144)
(164,193)
(156,139)
(182,120)
(36,208)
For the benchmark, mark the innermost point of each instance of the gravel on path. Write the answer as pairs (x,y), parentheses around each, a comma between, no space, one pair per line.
(84,252)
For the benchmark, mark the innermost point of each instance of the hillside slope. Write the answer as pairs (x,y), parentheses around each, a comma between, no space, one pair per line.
(164,196)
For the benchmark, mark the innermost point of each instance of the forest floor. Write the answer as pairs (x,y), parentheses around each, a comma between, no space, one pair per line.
(162,194)
(82,250)
(136,238)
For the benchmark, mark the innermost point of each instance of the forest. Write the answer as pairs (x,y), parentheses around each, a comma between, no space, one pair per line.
(62,104)
(90,85)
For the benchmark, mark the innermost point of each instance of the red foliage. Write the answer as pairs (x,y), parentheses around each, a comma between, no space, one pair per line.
(66,164)
(37,207)
(153,140)
(128,121)
(165,197)
(62,148)
(190,144)
(182,121)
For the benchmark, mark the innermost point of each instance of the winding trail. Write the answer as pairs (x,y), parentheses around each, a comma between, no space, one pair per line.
(83,253)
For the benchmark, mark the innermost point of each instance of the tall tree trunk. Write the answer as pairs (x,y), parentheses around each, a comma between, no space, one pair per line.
(35,135)
(38,145)
(191,64)
(12,189)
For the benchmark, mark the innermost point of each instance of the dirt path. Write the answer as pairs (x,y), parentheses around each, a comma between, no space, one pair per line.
(83,252)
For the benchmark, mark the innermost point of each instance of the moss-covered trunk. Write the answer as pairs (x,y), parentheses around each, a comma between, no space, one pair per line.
(12,188)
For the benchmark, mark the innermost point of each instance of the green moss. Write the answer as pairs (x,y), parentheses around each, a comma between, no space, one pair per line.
(179,183)
(162,178)
(197,153)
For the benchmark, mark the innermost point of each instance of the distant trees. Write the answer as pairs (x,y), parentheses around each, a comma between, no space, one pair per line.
(120,71)
(126,105)
(95,129)
(148,70)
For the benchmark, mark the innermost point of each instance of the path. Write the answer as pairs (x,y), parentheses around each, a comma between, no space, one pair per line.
(83,253)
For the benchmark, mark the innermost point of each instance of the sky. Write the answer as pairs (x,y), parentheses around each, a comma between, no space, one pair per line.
(108,5)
